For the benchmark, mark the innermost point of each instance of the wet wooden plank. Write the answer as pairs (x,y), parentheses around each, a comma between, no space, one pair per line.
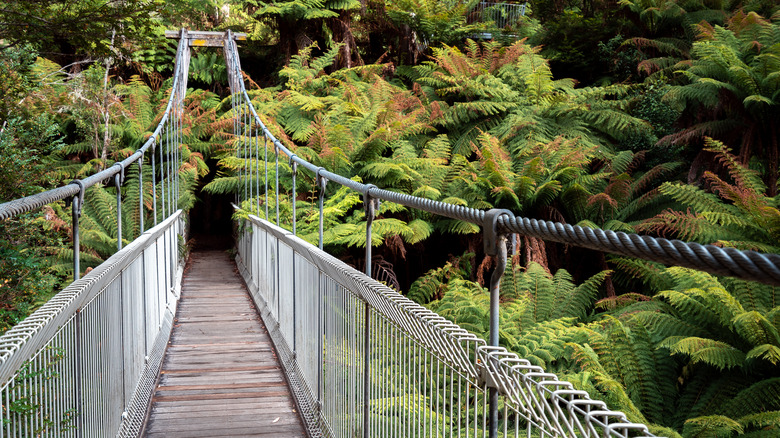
(220,376)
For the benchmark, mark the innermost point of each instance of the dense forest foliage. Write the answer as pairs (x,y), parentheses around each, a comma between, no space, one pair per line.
(650,116)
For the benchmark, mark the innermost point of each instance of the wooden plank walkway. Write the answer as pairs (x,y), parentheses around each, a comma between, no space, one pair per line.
(220,376)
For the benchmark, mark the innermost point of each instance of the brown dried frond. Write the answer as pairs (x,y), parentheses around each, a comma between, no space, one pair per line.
(612,303)
(671,223)
(55,222)
(252,84)
(619,189)
(436,112)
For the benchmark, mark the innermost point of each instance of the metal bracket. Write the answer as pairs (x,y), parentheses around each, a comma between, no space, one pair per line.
(490,234)
(322,182)
(79,199)
(293,163)
(486,378)
(119,178)
(371,204)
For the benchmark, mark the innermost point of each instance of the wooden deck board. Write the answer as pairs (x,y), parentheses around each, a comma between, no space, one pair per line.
(220,376)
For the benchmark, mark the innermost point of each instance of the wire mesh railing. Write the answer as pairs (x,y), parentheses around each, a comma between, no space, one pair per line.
(363,360)
(503,15)
(84,364)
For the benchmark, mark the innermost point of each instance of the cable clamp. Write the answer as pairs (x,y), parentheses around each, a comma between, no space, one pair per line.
(371,203)
(321,180)
(490,234)
(119,178)
(78,200)
(487,377)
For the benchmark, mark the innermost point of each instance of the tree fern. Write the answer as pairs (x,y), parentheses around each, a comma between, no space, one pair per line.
(712,425)
(728,84)
(761,424)
(738,215)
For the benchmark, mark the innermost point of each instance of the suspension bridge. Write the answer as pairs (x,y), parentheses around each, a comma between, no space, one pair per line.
(292,341)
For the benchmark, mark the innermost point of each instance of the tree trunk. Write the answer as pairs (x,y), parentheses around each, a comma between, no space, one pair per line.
(771,180)
(342,32)
(607,281)
(106,105)
(535,251)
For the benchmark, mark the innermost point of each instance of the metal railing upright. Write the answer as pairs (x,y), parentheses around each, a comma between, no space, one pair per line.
(503,15)
(362,358)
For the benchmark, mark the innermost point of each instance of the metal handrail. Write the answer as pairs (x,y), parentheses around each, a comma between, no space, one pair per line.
(342,338)
(501,14)
(496,225)
(33,202)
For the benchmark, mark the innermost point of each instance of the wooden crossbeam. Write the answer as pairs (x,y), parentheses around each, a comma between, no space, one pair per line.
(201,38)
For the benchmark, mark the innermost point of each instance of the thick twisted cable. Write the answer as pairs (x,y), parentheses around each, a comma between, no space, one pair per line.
(747,265)
(34,202)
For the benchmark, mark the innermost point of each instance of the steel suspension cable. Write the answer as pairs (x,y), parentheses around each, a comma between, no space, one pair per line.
(747,265)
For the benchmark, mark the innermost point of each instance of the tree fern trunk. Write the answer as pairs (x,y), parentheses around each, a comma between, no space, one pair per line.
(536,251)
(607,281)
(342,32)
(106,114)
(772,177)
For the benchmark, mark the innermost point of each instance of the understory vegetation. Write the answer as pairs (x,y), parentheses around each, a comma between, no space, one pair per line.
(656,116)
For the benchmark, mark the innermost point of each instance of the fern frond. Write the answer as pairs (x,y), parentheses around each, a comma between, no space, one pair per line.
(761,396)
(716,353)
(712,425)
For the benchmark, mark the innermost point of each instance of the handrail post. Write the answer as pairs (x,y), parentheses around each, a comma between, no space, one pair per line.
(265,163)
(294,166)
(77,203)
(235,134)
(494,244)
(140,195)
(251,163)
(246,152)
(257,170)
(276,148)
(371,205)
(162,175)
(154,182)
(118,180)
(322,182)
